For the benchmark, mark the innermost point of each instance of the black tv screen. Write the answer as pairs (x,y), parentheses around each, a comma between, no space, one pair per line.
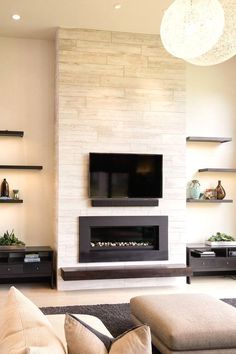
(125,175)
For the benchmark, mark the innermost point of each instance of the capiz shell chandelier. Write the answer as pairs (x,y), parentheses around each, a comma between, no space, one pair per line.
(225,48)
(190,28)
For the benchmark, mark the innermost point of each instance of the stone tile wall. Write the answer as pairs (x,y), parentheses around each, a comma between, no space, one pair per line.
(117,92)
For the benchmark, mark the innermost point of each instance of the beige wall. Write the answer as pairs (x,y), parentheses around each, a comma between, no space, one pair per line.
(106,118)
(27,103)
(211,111)
(117,92)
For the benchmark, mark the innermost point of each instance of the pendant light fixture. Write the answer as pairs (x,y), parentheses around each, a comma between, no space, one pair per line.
(190,28)
(225,48)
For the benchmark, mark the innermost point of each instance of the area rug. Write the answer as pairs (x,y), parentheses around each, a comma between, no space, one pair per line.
(116,317)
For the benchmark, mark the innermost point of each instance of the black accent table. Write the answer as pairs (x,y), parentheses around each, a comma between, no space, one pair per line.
(13,267)
(224,262)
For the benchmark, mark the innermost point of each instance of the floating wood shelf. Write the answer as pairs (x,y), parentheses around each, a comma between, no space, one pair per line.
(208,139)
(172,270)
(16,133)
(11,201)
(103,202)
(20,167)
(207,201)
(217,170)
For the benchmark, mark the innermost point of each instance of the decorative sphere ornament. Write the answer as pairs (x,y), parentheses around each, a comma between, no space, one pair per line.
(190,28)
(225,48)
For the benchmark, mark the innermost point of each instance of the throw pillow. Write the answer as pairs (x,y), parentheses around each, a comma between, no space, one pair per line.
(82,339)
(24,328)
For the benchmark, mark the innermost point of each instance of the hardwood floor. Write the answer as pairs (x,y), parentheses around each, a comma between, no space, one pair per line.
(42,295)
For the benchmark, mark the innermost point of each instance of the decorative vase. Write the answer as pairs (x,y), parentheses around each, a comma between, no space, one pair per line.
(15,194)
(5,188)
(220,192)
(194,189)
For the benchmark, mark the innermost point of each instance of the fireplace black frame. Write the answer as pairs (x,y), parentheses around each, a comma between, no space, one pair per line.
(86,254)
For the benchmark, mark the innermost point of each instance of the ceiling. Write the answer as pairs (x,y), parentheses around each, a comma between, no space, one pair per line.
(40,18)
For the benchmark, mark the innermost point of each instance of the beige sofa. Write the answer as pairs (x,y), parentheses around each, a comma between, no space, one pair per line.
(24,329)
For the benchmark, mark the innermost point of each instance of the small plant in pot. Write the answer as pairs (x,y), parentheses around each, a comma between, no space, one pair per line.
(9,240)
(221,238)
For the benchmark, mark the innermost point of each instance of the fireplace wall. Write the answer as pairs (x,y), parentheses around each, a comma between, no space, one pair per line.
(117,92)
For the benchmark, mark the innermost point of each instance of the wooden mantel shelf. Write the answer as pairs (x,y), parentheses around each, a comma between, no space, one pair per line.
(167,270)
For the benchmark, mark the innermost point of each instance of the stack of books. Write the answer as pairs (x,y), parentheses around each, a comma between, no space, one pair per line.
(203,253)
(31,257)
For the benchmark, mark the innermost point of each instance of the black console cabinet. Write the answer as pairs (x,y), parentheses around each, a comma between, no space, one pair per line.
(14,268)
(224,262)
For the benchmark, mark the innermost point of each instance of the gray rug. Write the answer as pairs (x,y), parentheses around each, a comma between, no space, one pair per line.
(116,317)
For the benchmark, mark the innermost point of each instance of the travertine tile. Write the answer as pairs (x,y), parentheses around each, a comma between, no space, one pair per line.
(127,59)
(91,69)
(66,102)
(166,63)
(84,34)
(81,80)
(107,48)
(74,90)
(70,56)
(147,83)
(152,94)
(136,38)
(66,44)
(153,72)
(119,103)
(157,51)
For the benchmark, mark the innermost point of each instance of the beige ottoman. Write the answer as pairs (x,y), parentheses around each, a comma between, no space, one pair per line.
(187,323)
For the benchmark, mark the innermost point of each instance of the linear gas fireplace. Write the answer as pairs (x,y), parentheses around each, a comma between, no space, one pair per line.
(123,238)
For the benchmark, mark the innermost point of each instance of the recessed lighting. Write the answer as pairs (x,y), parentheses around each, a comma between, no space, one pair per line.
(117,6)
(16,17)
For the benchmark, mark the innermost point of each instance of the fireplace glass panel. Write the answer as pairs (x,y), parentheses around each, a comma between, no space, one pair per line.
(124,237)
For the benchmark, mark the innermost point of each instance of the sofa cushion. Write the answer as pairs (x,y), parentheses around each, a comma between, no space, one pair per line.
(81,338)
(58,321)
(25,329)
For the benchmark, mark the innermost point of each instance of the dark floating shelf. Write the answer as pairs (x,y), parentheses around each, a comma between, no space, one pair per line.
(217,170)
(117,202)
(16,133)
(20,167)
(11,201)
(208,139)
(207,201)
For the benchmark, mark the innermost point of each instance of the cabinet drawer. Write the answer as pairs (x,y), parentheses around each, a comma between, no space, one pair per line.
(216,262)
(231,263)
(11,269)
(38,268)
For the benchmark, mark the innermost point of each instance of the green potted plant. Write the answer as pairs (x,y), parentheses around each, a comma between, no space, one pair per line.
(10,241)
(221,239)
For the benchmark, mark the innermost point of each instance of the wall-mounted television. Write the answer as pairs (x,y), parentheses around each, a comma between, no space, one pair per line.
(116,175)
